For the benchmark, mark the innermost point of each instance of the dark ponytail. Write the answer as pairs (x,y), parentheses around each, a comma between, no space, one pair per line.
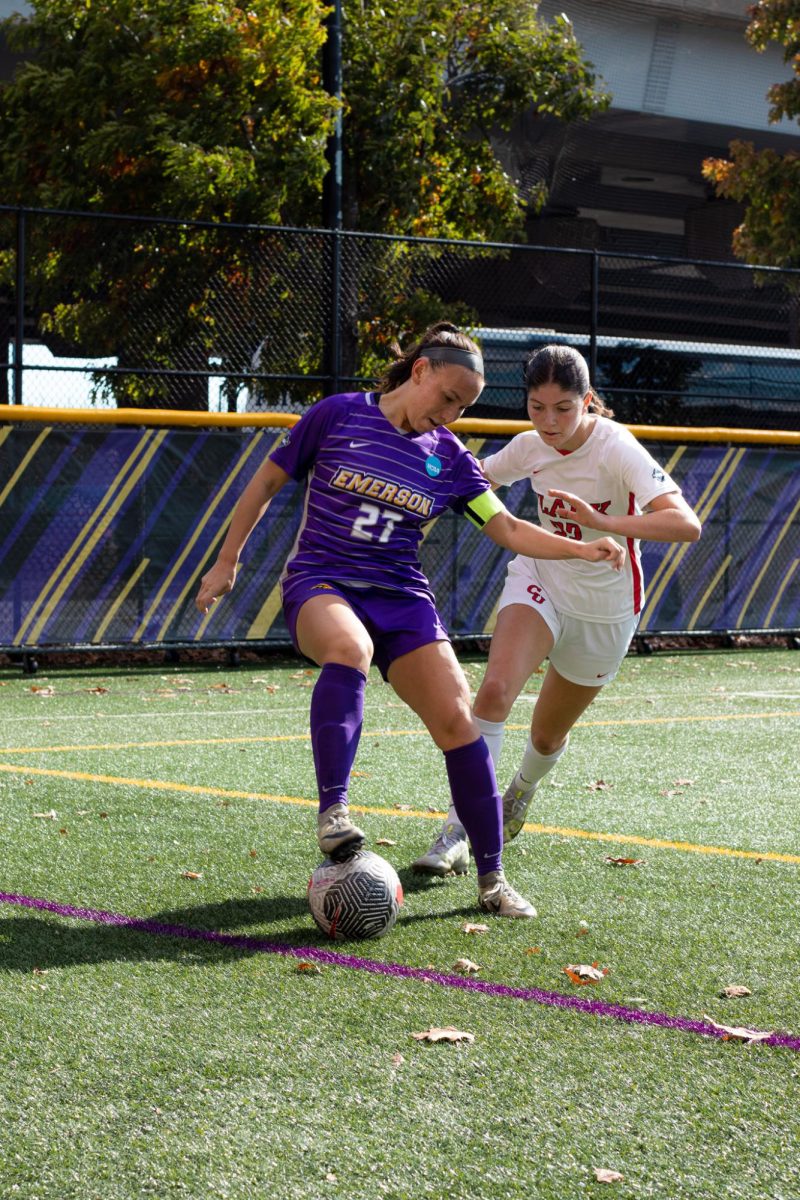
(567,369)
(443,333)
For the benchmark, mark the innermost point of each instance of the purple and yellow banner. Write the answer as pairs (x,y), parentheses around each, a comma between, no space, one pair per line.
(105,532)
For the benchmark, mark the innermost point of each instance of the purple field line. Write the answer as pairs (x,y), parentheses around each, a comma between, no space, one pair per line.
(596,1008)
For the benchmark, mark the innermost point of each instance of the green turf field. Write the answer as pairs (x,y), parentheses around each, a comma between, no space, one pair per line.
(136,1063)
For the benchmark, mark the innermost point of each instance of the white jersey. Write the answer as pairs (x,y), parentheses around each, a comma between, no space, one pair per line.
(616,475)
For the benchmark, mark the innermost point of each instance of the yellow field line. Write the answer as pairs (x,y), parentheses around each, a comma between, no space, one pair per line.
(163,785)
(421,732)
(374,733)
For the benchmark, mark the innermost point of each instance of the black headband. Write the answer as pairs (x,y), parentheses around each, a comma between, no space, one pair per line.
(453,354)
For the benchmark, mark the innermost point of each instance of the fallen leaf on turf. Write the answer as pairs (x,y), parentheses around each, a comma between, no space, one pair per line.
(624,862)
(534,950)
(448,1033)
(583,973)
(465,966)
(738,1032)
(384,842)
(48,816)
(599,785)
(360,775)
(308,968)
(470,928)
(397,1060)
(191,875)
(736,989)
(683,782)
(331,1178)
(603,1175)
(43,691)
(97,691)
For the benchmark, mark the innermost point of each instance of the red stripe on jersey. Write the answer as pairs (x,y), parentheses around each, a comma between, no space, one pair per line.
(635,561)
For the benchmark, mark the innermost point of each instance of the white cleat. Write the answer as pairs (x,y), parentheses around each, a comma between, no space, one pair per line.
(516,802)
(449,854)
(496,895)
(337,836)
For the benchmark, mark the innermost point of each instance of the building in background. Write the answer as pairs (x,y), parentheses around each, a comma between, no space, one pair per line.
(685,82)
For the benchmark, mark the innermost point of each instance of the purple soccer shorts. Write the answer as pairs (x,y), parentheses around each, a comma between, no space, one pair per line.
(397,622)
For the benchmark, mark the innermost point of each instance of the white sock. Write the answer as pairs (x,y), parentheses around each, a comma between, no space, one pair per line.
(492,733)
(534,766)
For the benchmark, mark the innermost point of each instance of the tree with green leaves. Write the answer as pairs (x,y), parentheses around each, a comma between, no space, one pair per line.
(205,111)
(767,182)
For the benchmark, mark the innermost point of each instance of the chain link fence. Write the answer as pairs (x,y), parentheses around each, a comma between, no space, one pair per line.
(101,310)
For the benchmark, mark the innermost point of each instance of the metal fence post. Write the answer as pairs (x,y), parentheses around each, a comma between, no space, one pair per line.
(19,325)
(593,318)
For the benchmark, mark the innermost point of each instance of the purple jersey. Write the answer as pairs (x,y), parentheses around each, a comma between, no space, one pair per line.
(371,489)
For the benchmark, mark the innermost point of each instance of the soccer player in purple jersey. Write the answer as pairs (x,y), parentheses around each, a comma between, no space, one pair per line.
(378,466)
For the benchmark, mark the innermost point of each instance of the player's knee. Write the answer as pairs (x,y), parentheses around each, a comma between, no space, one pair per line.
(454,727)
(494,699)
(547,743)
(351,652)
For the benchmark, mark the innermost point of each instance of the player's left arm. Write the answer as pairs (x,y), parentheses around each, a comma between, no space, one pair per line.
(667,518)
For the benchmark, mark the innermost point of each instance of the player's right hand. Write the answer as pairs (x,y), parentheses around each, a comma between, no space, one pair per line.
(215,583)
(604,549)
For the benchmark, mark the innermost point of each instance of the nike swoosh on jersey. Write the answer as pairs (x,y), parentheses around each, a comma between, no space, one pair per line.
(358,445)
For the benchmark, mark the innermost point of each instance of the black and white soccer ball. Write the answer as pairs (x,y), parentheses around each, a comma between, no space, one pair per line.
(355,899)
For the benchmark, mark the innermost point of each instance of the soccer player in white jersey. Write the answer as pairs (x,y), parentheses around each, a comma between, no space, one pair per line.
(591,478)
(378,466)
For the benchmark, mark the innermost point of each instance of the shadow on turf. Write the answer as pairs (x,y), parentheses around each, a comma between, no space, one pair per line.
(30,943)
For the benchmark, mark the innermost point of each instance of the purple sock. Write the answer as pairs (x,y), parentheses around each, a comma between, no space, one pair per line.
(477,801)
(337,710)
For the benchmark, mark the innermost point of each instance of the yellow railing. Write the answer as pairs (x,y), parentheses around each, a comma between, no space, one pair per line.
(148,417)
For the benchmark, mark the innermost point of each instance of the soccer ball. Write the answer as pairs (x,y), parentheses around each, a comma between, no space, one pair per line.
(355,899)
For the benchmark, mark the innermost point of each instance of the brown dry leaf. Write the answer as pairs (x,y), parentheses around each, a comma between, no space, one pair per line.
(308,968)
(447,1033)
(43,691)
(534,950)
(465,966)
(254,854)
(48,816)
(671,792)
(583,973)
(624,862)
(603,1175)
(97,691)
(397,1059)
(470,928)
(384,842)
(599,785)
(191,875)
(360,775)
(738,1032)
(684,782)
(735,990)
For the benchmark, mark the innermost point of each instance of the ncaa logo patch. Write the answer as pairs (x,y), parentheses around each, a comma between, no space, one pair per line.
(433,465)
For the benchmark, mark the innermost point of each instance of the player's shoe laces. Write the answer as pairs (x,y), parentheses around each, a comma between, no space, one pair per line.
(516,801)
(448,854)
(337,836)
(496,895)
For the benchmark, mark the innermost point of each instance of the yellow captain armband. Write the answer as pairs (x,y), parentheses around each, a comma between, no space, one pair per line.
(482,508)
